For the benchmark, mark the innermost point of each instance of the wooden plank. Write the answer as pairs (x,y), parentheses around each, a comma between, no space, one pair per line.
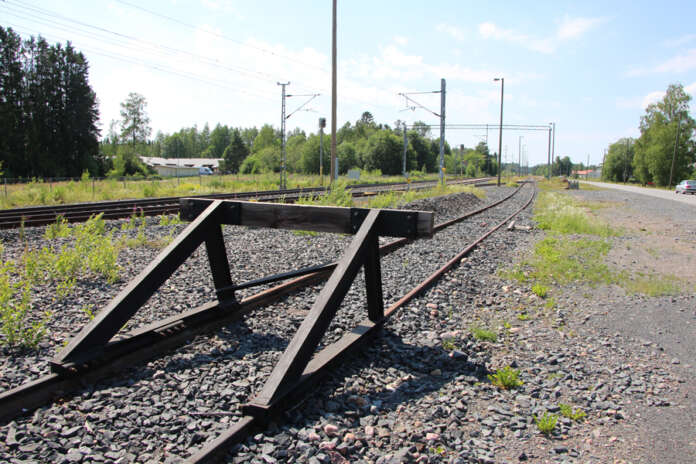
(219,265)
(373,280)
(93,336)
(302,346)
(395,223)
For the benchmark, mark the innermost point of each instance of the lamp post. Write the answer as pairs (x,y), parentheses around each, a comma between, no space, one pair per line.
(500,132)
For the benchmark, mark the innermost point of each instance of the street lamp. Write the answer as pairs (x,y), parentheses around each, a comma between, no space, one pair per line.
(500,132)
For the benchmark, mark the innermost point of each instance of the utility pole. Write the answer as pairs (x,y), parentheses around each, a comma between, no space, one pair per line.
(333,94)
(674,155)
(553,145)
(461,160)
(548,159)
(441,115)
(519,156)
(442,131)
(405,148)
(322,125)
(626,162)
(500,132)
(587,174)
(282,136)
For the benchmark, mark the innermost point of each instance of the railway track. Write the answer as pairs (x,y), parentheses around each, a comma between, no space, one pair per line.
(161,337)
(118,209)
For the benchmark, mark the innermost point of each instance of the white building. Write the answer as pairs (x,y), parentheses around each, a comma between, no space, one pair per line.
(180,167)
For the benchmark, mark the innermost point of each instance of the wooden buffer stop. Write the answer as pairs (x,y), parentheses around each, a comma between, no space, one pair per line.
(299,363)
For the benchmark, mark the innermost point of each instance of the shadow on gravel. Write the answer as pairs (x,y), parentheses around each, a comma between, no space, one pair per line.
(405,371)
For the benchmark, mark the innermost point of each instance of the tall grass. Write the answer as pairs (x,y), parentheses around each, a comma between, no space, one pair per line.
(38,192)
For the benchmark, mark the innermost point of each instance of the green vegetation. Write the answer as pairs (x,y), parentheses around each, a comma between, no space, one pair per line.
(540,290)
(649,158)
(652,285)
(18,326)
(506,378)
(48,111)
(546,423)
(448,344)
(561,214)
(484,335)
(567,411)
(523,317)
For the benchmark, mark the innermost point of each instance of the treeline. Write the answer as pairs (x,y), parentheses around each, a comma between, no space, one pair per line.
(665,150)
(48,111)
(363,145)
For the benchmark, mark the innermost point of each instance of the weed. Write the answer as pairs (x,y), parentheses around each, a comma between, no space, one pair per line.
(16,325)
(506,378)
(88,310)
(59,229)
(448,344)
(560,213)
(308,233)
(523,317)
(567,411)
(540,290)
(546,423)
(484,334)
(507,325)
(170,220)
(550,303)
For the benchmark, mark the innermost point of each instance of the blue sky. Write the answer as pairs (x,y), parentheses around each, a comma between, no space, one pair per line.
(591,66)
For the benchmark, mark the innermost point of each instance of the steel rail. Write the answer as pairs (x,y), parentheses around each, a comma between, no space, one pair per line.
(162,336)
(118,209)
(333,354)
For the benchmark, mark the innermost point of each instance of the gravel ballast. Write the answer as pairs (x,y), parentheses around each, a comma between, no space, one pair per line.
(418,393)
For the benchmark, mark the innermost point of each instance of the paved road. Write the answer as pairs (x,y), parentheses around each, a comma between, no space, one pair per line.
(666,194)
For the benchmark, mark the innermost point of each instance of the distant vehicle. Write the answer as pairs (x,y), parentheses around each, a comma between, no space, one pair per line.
(686,186)
(204,171)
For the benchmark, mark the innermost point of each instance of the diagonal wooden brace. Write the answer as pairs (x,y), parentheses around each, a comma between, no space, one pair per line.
(303,345)
(89,343)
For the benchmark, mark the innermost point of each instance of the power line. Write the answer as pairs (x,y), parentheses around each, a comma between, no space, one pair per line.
(216,34)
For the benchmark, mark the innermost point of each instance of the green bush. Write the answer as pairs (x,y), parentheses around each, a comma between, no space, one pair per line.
(506,378)
(546,423)
(484,334)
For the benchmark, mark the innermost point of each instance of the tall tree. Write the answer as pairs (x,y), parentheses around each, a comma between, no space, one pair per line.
(135,123)
(234,154)
(656,148)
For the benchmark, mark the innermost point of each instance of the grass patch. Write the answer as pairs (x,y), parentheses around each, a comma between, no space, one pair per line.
(653,285)
(559,213)
(523,317)
(546,423)
(484,335)
(448,344)
(506,378)
(567,411)
(540,290)
(561,260)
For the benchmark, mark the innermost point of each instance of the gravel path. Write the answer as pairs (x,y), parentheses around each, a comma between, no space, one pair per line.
(420,392)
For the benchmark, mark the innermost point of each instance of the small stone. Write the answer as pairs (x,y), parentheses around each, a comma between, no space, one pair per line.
(675,361)
(327,445)
(436,372)
(369,431)
(432,436)
(434,313)
(431,306)
(330,430)
(349,437)
(313,436)
(523,456)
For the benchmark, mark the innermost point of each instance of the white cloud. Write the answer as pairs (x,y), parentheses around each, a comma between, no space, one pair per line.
(691,89)
(680,63)
(401,40)
(453,31)
(569,28)
(572,28)
(652,97)
(679,41)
